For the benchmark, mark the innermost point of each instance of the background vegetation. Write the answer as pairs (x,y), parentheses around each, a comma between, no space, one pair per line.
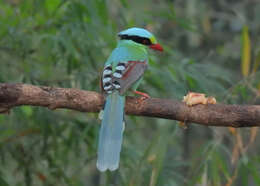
(210,46)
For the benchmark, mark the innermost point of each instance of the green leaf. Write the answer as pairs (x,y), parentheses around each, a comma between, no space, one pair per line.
(102,10)
(254,172)
(52,5)
(27,110)
(192,83)
(3,182)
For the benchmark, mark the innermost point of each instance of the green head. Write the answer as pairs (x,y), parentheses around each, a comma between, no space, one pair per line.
(141,37)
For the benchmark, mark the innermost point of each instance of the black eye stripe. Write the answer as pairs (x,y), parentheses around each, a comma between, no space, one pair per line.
(137,39)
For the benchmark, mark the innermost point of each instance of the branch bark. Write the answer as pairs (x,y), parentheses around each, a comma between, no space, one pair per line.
(13,95)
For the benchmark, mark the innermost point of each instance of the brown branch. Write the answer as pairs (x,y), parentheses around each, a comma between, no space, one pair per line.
(12,95)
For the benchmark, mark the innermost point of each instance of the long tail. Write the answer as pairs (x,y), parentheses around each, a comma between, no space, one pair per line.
(111,133)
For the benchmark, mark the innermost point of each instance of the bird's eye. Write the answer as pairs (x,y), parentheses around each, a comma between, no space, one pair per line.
(145,42)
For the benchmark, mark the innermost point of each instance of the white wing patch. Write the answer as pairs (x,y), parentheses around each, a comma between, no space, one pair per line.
(117,75)
(117,86)
(105,80)
(107,72)
(107,87)
(121,67)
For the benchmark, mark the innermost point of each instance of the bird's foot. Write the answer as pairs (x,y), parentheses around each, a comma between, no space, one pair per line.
(193,98)
(144,95)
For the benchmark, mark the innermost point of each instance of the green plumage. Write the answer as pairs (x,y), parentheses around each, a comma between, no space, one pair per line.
(128,51)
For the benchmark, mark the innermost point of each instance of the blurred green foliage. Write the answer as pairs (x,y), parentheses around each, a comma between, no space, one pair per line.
(210,46)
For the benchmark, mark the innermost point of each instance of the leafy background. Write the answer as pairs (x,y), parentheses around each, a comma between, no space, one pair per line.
(210,47)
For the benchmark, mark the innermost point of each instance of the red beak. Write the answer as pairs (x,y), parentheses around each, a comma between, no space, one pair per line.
(156,47)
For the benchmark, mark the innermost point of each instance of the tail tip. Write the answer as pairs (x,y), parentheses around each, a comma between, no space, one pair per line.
(103,168)
(113,167)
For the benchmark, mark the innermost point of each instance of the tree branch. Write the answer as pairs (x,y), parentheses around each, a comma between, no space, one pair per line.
(13,95)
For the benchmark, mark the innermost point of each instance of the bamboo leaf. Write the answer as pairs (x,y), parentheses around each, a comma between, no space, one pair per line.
(246,48)
(253,134)
(256,62)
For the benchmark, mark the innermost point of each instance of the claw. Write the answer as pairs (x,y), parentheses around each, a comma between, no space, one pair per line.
(144,95)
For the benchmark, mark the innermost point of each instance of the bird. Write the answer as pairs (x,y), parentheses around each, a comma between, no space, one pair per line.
(123,71)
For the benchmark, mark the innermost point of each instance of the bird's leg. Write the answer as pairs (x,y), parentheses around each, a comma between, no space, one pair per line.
(194,98)
(144,95)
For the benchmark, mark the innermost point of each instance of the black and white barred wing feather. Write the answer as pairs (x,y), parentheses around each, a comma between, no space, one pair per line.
(123,77)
